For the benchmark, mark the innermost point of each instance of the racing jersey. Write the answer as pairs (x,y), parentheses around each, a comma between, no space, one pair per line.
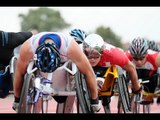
(113,56)
(150,63)
(61,40)
(149,67)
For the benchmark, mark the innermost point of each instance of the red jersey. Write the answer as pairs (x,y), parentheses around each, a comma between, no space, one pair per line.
(113,56)
(150,63)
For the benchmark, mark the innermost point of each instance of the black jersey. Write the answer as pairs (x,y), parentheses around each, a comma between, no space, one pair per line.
(9,41)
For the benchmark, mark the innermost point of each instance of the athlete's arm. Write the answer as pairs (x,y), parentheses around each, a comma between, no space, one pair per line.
(78,57)
(16,39)
(130,68)
(23,60)
(158,60)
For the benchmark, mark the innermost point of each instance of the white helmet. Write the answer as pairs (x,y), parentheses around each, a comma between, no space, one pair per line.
(94,41)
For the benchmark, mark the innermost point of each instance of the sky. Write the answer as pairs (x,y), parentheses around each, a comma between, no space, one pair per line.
(126,22)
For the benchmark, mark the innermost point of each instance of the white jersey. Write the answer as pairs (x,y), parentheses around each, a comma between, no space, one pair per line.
(62,40)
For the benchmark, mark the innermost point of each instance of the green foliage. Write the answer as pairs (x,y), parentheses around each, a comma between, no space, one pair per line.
(109,36)
(43,19)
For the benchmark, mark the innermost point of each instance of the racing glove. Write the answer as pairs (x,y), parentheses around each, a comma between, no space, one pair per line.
(95,105)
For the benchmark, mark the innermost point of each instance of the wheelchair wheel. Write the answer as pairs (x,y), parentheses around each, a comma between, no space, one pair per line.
(106,103)
(107,108)
(119,106)
(146,108)
(28,95)
(124,97)
(135,106)
(67,106)
(83,95)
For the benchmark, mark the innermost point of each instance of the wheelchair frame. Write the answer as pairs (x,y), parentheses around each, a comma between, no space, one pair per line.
(34,90)
(112,77)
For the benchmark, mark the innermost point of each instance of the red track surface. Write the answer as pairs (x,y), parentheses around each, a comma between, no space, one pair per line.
(6,106)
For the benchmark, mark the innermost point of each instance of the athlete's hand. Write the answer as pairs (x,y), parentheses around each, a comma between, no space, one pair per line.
(95,105)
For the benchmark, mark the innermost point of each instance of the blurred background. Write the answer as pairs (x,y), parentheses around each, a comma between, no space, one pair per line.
(117,25)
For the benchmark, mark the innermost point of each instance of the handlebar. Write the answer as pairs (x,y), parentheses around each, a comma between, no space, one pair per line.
(143,81)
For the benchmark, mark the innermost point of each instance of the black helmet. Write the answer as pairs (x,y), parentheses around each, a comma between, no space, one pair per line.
(78,34)
(48,57)
(153,45)
(138,47)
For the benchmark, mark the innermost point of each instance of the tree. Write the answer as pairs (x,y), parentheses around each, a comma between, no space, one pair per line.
(109,36)
(42,19)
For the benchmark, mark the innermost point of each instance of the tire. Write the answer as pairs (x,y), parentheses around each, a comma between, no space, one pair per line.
(146,108)
(124,94)
(27,96)
(67,106)
(120,108)
(135,106)
(82,93)
(106,103)
(107,108)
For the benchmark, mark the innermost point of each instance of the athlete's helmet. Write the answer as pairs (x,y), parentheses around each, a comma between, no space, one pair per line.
(153,45)
(138,47)
(93,42)
(48,57)
(78,34)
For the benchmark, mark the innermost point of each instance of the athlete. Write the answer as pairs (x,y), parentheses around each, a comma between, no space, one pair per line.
(8,42)
(79,35)
(101,54)
(146,62)
(153,45)
(52,48)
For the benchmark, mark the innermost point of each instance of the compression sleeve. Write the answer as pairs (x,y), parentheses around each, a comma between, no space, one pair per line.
(12,39)
(16,39)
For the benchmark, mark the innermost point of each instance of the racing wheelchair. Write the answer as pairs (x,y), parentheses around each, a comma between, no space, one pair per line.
(67,81)
(6,76)
(142,103)
(113,83)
